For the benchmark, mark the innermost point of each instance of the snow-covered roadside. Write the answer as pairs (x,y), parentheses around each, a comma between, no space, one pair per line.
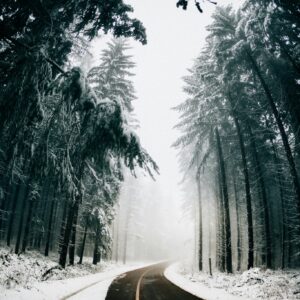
(33,276)
(95,285)
(26,269)
(253,284)
(173,274)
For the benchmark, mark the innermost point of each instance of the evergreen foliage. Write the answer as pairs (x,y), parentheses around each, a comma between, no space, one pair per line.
(240,121)
(64,138)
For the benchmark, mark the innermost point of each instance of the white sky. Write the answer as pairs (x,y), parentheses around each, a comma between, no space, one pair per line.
(175,38)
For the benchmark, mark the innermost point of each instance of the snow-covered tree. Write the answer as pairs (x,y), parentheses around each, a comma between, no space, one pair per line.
(56,133)
(235,114)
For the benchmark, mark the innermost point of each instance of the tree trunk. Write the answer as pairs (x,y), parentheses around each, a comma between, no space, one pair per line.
(73,239)
(96,248)
(22,213)
(7,189)
(125,239)
(54,226)
(27,226)
(260,178)
(73,209)
(238,245)
(83,243)
(44,207)
(228,249)
(200,252)
(15,196)
(50,221)
(117,235)
(220,255)
(63,223)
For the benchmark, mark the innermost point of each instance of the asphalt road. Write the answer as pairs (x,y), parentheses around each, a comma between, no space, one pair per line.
(146,284)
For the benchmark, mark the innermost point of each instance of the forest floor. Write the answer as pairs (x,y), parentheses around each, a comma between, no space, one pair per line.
(33,276)
(253,284)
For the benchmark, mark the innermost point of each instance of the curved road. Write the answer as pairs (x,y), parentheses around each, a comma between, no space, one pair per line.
(146,284)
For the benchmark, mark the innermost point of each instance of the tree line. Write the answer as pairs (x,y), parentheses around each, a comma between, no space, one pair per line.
(239,135)
(65,136)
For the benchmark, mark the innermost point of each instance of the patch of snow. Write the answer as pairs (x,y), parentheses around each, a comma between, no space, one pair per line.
(97,291)
(255,283)
(90,287)
(197,288)
(21,278)
(105,101)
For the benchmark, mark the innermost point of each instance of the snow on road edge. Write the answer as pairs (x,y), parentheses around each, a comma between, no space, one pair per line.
(196,288)
(62,289)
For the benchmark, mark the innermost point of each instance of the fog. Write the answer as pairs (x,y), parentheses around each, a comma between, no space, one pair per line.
(147,227)
(137,133)
(161,213)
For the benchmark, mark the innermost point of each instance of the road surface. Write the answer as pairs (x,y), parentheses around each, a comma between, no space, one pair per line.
(146,284)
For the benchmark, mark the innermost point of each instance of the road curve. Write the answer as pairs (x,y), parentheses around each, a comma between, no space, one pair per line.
(146,284)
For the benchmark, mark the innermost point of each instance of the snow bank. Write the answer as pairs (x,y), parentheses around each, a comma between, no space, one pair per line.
(24,270)
(23,277)
(197,288)
(90,287)
(253,284)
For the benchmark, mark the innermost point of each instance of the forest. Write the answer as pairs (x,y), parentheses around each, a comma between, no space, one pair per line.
(70,152)
(239,138)
(66,134)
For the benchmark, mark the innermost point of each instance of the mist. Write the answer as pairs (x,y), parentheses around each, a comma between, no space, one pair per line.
(154,145)
(147,227)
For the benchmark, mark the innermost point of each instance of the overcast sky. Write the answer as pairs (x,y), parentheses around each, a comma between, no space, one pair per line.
(175,38)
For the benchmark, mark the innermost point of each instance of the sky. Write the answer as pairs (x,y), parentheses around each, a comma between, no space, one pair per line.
(175,38)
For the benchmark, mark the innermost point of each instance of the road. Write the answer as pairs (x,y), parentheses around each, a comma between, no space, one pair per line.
(146,284)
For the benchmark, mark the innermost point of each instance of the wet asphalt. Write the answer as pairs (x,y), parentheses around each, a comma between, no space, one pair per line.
(152,286)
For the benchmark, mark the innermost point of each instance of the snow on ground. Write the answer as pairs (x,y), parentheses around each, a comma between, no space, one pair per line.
(253,284)
(90,287)
(25,277)
(175,274)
